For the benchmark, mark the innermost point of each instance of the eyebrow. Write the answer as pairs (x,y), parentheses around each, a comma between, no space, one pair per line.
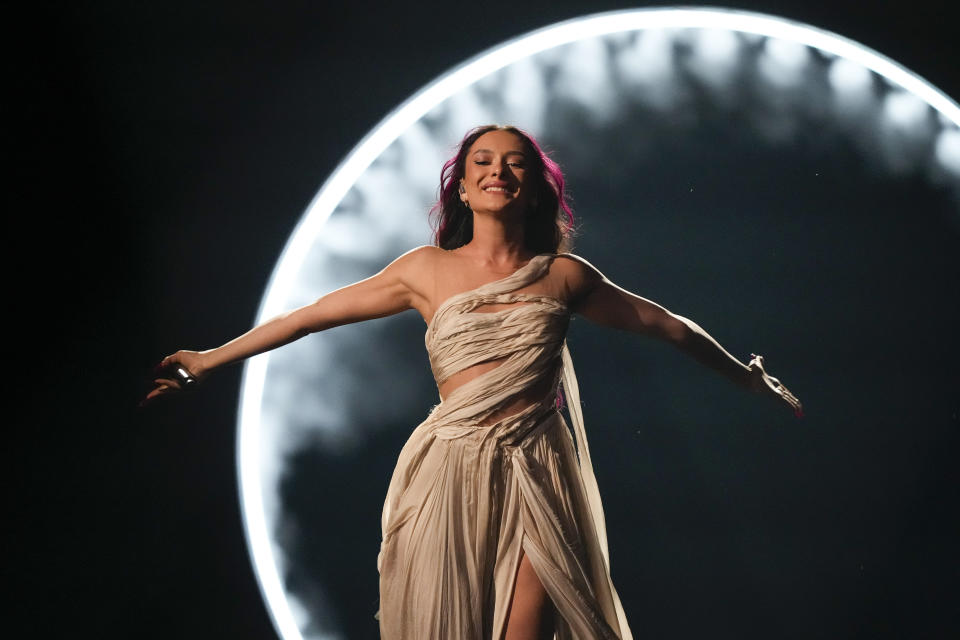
(516,153)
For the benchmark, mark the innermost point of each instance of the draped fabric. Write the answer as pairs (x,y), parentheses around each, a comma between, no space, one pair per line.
(471,490)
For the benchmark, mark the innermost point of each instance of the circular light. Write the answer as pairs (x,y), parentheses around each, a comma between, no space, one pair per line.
(948,150)
(646,62)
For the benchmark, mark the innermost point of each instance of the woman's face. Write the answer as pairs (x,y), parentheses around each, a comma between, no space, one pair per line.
(495,174)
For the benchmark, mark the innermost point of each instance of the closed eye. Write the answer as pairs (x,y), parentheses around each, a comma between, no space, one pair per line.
(518,165)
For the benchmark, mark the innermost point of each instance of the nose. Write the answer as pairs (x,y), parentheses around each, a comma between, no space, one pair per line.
(500,167)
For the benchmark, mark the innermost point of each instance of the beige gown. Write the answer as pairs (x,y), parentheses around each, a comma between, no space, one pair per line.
(469,493)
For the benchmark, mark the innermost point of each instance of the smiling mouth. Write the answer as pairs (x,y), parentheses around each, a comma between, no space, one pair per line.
(497,189)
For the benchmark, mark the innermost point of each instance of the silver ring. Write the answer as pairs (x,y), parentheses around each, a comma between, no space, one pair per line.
(184,376)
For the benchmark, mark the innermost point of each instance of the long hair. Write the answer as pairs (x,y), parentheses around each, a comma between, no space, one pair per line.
(548,226)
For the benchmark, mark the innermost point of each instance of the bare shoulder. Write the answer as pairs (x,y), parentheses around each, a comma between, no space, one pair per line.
(415,273)
(418,256)
(574,264)
(578,276)
(413,264)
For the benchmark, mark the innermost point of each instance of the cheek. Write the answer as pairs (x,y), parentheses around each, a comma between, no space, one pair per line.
(470,175)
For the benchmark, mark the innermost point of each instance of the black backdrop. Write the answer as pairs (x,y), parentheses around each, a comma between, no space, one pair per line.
(163,153)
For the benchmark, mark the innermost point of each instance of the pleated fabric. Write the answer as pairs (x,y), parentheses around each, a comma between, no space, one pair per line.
(469,493)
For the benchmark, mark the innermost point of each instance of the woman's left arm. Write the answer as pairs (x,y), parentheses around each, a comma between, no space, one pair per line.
(601,301)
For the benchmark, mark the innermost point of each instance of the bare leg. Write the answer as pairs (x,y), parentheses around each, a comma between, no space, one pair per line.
(530,616)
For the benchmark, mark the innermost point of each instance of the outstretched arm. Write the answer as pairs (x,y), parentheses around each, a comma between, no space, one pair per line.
(601,301)
(391,291)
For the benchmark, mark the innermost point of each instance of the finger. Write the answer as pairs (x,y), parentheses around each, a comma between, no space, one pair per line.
(160,389)
(155,394)
(794,402)
(781,390)
(166,382)
(797,407)
(169,360)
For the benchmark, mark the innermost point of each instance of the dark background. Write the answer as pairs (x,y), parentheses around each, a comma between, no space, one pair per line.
(163,154)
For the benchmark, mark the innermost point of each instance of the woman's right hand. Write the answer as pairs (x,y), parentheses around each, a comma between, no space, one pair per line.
(763,383)
(177,371)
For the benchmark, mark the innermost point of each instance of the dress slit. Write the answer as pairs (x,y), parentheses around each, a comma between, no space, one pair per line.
(469,497)
(548,608)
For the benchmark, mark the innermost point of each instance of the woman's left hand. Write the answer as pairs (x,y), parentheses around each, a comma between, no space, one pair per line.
(762,382)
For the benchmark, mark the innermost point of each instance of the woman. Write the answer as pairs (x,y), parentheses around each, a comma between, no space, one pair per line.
(492,525)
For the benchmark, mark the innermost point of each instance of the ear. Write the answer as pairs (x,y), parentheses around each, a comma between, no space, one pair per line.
(463,192)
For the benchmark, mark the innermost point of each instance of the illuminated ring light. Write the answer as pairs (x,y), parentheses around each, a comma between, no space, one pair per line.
(407,114)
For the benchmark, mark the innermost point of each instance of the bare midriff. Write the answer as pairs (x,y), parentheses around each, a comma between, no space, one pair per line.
(529,397)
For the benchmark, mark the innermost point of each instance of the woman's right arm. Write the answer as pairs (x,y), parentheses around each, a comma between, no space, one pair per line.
(396,288)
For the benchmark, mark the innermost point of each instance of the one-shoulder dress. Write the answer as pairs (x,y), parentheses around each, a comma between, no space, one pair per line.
(469,493)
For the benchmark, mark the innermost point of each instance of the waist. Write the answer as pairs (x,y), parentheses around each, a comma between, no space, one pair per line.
(509,424)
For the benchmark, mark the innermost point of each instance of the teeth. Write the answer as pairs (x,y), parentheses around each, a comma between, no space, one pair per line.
(495,189)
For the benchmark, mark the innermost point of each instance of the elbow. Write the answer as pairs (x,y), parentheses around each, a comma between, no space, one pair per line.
(300,332)
(675,329)
(306,320)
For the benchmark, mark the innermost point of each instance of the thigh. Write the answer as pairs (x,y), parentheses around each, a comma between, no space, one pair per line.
(530,616)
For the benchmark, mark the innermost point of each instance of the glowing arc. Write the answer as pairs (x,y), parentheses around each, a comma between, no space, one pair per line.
(409,112)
